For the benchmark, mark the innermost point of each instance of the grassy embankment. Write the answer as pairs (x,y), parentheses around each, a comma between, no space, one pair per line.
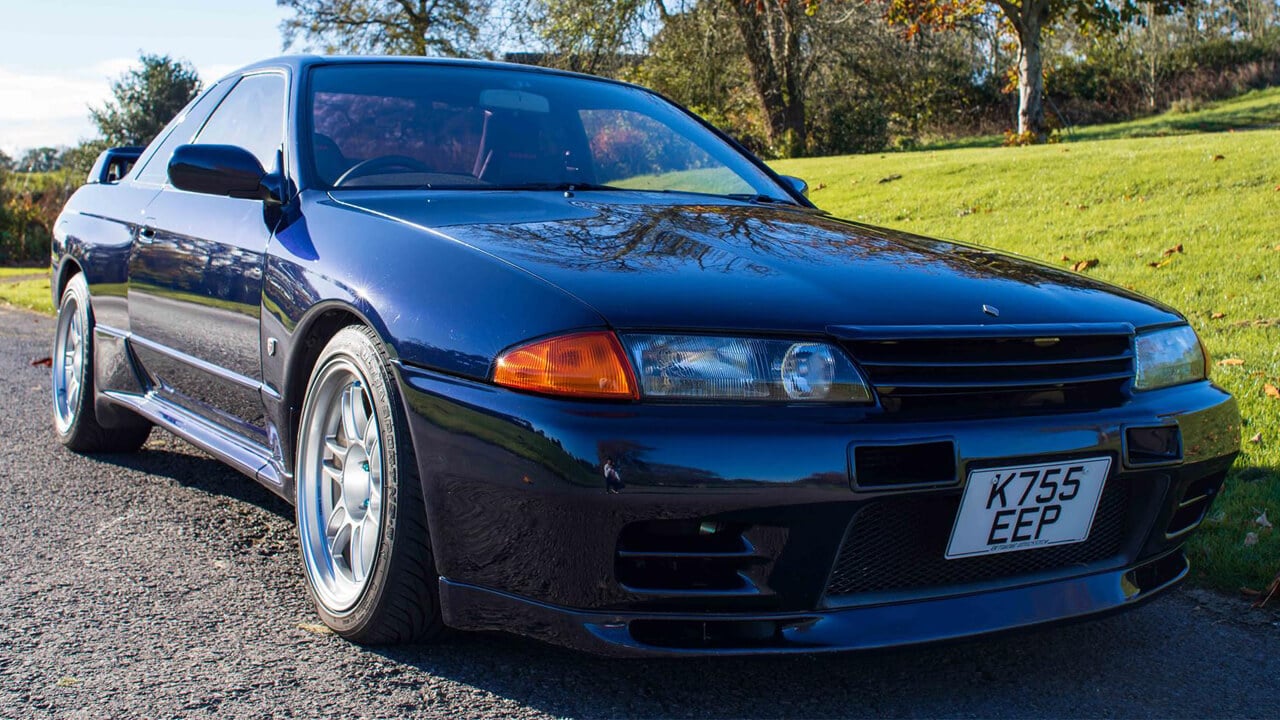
(1124,200)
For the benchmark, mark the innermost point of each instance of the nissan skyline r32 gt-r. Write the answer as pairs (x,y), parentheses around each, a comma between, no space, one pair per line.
(546,353)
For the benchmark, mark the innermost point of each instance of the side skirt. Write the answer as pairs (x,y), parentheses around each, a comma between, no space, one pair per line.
(249,458)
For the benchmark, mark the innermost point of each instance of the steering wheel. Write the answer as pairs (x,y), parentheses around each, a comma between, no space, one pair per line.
(376,165)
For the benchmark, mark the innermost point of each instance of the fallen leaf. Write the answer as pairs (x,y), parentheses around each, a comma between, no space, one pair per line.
(1082,207)
(1230,362)
(1158,265)
(1217,315)
(1251,539)
(67,681)
(42,362)
(1216,158)
(1085,265)
(889,178)
(1272,391)
(316,628)
(1256,439)
(1262,520)
(1067,259)
(1175,249)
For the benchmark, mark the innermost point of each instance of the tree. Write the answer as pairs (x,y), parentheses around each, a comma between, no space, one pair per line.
(1027,21)
(79,160)
(6,162)
(146,98)
(594,37)
(451,28)
(41,159)
(772,38)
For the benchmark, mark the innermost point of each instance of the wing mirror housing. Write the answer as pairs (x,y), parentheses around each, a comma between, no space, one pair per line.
(221,170)
(799,186)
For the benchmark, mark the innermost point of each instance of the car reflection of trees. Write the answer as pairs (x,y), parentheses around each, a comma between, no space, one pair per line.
(729,239)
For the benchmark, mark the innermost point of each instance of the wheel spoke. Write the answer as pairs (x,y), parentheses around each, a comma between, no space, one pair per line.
(331,470)
(336,520)
(334,447)
(359,566)
(354,418)
(341,540)
(370,440)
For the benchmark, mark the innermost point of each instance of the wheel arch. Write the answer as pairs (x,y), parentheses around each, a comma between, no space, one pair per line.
(68,267)
(314,330)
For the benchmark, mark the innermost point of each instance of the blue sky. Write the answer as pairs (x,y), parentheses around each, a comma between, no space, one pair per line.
(58,56)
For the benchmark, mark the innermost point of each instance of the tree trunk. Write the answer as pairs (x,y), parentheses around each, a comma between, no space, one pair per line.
(772,46)
(1031,77)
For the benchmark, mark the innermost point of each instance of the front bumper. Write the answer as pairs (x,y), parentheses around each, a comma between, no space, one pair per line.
(909,623)
(529,499)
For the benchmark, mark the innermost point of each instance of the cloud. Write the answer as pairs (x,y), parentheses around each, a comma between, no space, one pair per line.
(42,108)
(45,109)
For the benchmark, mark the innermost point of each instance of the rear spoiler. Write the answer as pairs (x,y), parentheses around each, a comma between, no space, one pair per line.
(113,164)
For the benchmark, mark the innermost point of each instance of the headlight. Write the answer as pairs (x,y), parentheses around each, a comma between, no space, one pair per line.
(727,368)
(1168,357)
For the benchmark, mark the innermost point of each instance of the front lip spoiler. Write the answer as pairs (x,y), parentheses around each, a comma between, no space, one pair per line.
(470,607)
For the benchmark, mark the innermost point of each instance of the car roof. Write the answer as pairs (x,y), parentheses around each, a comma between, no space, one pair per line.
(301,63)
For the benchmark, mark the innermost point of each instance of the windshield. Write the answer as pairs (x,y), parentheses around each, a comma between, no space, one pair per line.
(458,127)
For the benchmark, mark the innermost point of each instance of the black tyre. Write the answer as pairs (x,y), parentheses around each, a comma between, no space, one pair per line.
(361,519)
(74,419)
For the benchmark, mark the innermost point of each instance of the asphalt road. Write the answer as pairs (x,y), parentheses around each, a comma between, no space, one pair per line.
(163,584)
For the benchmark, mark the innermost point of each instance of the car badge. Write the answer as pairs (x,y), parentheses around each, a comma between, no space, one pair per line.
(991,310)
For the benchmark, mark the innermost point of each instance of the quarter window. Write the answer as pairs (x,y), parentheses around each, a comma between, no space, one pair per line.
(179,131)
(252,117)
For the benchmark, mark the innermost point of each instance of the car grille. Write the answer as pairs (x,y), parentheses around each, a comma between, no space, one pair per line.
(898,544)
(1034,370)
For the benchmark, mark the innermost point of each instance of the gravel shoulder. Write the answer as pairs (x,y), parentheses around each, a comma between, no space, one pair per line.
(164,584)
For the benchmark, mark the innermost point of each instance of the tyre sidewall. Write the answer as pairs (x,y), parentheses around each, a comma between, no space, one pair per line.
(82,414)
(355,346)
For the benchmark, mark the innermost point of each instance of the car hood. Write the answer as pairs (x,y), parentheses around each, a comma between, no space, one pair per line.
(679,261)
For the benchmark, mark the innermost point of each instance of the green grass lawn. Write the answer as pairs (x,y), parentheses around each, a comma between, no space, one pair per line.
(1124,202)
(31,291)
(1258,109)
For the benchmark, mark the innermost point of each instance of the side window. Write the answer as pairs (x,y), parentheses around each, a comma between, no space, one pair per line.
(252,117)
(179,131)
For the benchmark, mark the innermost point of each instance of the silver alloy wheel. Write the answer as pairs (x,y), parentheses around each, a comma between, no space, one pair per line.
(339,485)
(68,364)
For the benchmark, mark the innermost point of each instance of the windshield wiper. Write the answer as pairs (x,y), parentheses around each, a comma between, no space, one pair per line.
(758,199)
(553,186)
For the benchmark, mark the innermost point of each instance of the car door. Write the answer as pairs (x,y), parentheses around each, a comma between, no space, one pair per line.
(195,276)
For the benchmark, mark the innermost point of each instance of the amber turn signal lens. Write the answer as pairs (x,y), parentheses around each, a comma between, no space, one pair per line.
(588,365)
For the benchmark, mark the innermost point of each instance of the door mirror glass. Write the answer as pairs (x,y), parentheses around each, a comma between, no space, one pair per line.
(218,170)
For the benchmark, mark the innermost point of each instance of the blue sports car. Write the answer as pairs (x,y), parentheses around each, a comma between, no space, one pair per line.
(546,353)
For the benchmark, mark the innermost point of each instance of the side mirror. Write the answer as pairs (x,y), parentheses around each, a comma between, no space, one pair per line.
(800,186)
(218,170)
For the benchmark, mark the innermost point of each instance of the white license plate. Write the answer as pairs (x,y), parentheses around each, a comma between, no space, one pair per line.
(1027,506)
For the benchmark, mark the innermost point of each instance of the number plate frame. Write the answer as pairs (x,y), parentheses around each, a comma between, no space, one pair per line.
(1011,508)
